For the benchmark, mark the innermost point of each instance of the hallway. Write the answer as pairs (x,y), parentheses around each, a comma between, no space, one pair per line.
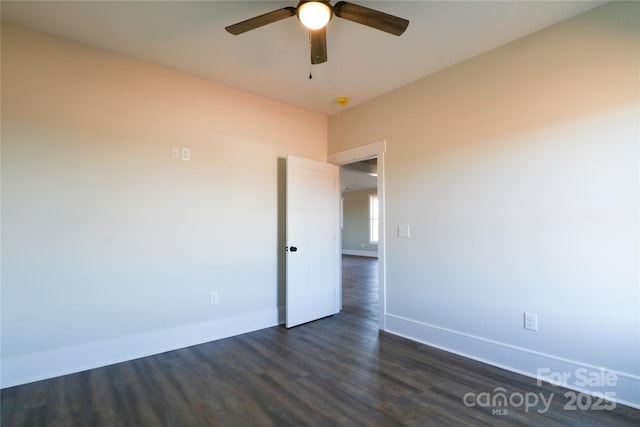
(360,288)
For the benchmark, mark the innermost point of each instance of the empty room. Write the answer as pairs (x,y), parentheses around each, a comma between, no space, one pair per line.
(179,187)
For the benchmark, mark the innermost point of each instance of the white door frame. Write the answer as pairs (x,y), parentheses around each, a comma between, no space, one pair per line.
(365,152)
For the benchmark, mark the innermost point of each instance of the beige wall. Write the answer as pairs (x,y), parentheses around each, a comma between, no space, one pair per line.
(517,171)
(355,231)
(104,236)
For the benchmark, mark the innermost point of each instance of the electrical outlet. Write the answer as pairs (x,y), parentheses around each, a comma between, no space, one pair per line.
(175,152)
(214,298)
(531,321)
(404,231)
(186,153)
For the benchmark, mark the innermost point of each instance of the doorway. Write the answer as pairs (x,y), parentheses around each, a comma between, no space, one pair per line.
(360,230)
(360,207)
(363,154)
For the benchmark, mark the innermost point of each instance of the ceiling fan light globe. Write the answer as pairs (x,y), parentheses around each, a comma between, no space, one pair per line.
(314,14)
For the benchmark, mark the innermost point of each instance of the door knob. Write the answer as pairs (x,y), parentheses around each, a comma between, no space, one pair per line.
(291,249)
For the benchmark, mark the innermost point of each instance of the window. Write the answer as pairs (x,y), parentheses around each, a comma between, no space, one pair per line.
(374,220)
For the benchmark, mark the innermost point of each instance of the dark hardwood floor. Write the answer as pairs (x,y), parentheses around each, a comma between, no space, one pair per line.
(338,371)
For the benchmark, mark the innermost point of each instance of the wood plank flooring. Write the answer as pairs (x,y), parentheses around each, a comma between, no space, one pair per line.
(338,371)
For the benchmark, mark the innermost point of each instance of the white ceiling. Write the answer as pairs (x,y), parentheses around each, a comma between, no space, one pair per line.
(359,176)
(354,181)
(273,61)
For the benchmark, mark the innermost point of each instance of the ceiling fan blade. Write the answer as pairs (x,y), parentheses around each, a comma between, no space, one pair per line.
(370,17)
(259,21)
(318,43)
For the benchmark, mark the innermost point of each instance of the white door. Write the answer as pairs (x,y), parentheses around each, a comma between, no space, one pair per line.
(313,249)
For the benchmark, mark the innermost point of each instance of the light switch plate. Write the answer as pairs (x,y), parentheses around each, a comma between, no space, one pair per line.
(175,152)
(403,231)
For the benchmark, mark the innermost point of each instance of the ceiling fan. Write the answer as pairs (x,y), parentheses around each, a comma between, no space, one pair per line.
(315,15)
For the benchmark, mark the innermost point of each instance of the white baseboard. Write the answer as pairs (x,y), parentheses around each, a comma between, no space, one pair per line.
(54,363)
(516,359)
(371,254)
